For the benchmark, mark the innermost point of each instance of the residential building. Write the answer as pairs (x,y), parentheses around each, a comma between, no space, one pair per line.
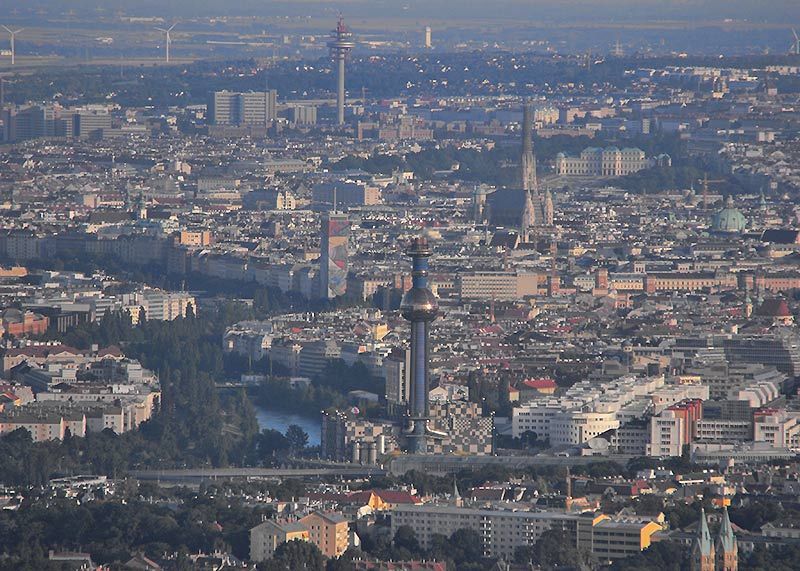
(268,535)
(328,531)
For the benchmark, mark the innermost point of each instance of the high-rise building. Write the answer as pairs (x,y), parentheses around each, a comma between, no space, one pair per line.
(397,374)
(419,306)
(91,122)
(335,233)
(340,45)
(428,43)
(251,108)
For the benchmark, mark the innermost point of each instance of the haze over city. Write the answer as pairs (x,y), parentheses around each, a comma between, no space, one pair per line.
(381,286)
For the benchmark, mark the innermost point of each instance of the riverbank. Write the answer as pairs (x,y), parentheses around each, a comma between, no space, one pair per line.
(276,419)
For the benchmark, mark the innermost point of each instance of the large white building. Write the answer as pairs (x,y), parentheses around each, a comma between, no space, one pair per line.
(780,428)
(610,161)
(497,285)
(667,435)
(589,409)
(504,530)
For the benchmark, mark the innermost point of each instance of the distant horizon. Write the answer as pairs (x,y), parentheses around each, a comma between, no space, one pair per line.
(607,11)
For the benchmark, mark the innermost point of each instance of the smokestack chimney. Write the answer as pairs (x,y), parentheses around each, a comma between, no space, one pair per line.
(419,306)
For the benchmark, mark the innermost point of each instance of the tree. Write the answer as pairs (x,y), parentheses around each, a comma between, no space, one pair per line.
(662,555)
(466,545)
(556,548)
(345,561)
(298,555)
(297,438)
(405,538)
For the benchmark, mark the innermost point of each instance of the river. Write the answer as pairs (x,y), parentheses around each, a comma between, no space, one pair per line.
(280,420)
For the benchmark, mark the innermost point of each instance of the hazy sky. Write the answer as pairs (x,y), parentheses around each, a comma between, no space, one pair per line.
(787,11)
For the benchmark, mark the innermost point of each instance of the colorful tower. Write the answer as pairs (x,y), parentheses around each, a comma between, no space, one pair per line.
(340,45)
(703,558)
(335,233)
(419,306)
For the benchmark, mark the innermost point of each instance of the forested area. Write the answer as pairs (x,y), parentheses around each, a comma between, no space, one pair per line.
(195,426)
(497,166)
(148,521)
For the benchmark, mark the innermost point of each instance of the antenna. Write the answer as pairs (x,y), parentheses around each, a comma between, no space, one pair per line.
(169,39)
(13,34)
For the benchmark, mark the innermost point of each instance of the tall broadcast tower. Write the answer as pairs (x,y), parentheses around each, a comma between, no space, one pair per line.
(420,308)
(340,44)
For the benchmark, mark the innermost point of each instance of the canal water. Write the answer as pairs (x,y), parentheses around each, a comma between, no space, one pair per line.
(280,420)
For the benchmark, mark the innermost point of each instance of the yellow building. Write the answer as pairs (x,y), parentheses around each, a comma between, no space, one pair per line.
(328,531)
(610,539)
(268,535)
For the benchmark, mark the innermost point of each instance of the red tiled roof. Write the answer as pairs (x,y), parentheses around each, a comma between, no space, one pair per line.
(540,383)
(110,351)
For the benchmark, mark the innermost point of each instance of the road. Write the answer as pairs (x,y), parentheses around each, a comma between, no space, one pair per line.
(195,475)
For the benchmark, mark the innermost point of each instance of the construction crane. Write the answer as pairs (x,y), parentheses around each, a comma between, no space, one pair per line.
(705,182)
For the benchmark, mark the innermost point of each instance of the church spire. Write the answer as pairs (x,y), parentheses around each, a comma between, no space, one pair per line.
(457,499)
(703,548)
(528,159)
(528,179)
(727,547)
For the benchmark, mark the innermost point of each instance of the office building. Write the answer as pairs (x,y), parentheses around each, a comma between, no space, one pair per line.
(252,108)
(342,193)
(500,286)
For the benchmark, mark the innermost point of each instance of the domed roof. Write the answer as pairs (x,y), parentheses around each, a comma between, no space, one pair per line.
(729,219)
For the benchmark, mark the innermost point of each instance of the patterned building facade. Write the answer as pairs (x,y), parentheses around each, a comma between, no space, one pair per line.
(333,254)
(459,427)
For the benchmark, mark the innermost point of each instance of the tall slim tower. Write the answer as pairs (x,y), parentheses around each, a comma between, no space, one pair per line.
(703,556)
(528,158)
(419,306)
(335,233)
(527,173)
(340,44)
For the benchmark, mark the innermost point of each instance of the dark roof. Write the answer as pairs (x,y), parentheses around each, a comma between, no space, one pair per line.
(504,239)
(780,236)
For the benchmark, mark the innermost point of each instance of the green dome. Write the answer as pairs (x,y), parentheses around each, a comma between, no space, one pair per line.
(728,219)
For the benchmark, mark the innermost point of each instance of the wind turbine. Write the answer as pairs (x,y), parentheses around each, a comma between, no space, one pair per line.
(13,34)
(795,47)
(169,40)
